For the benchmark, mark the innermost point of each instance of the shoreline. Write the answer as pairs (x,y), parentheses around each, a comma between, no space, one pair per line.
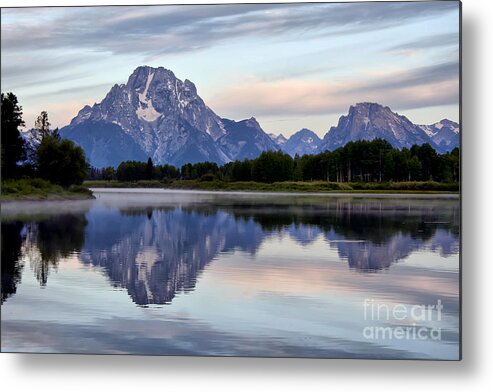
(37,189)
(49,198)
(395,194)
(303,187)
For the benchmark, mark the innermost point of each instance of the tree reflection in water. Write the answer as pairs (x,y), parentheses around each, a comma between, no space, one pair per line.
(156,252)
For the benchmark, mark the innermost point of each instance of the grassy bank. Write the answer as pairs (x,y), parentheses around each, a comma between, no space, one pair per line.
(286,186)
(38,189)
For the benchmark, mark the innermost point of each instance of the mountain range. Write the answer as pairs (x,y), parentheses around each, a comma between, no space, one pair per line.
(157,115)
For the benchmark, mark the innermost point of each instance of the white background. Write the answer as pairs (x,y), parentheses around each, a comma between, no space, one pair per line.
(475,372)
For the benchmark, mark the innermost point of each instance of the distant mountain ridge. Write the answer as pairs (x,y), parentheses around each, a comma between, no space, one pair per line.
(157,115)
(278,139)
(368,121)
(445,134)
(302,142)
(161,117)
(245,139)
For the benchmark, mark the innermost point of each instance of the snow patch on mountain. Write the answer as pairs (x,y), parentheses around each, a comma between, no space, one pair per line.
(301,143)
(146,111)
(278,139)
(369,121)
(157,115)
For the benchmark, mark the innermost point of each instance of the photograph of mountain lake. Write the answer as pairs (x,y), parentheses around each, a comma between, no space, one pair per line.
(298,196)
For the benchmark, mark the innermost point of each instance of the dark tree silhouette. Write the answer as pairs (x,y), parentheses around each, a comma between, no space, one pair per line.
(272,166)
(13,146)
(357,162)
(11,252)
(61,162)
(42,128)
(149,173)
(56,238)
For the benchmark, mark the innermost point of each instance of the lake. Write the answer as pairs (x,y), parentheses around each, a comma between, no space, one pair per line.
(194,273)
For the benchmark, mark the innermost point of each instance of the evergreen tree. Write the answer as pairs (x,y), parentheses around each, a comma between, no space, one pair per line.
(272,166)
(13,146)
(42,126)
(149,169)
(415,168)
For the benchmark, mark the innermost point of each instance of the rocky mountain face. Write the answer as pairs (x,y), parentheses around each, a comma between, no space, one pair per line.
(159,116)
(157,250)
(104,144)
(278,139)
(245,139)
(445,134)
(368,121)
(157,254)
(302,143)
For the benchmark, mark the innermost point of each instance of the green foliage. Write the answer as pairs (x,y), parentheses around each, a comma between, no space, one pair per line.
(136,171)
(284,186)
(13,148)
(39,189)
(272,166)
(166,172)
(42,127)
(27,186)
(131,171)
(207,177)
(55,160)
(125,184)
(197,170)
(378,161)
(306,186)
(108,174)
(406,186)
(40,131)
(79,189)
(414,168)
(357,162)
(61,162)
(238,170)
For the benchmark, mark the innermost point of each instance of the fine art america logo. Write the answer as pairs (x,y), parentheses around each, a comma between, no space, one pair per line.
(402,321)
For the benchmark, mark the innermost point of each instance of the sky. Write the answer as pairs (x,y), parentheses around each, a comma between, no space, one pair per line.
(291,66)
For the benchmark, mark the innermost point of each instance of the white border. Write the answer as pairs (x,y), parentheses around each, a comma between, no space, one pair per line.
(125,373)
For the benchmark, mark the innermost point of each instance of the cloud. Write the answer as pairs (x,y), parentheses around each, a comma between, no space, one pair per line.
(155,30)
(51,49)
(431,74)
(421,87)
(428,42)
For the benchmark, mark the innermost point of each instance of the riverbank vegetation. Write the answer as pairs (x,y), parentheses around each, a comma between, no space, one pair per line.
(38,189)
(367,166)
(284,186)
(44,166)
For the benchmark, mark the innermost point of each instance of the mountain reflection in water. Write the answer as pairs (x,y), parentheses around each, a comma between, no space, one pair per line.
(157,251)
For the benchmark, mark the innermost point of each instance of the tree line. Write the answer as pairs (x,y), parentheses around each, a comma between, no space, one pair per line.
(44,155)
(359,161)
(60,161)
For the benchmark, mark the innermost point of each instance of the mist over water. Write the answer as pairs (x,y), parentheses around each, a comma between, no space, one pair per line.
(170,272)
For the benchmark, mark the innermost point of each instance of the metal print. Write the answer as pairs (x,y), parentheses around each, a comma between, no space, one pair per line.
(268,180)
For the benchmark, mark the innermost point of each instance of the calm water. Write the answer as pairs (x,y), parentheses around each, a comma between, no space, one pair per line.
(233,274)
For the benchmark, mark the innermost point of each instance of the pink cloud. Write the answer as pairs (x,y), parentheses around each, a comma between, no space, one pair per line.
(253,96)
